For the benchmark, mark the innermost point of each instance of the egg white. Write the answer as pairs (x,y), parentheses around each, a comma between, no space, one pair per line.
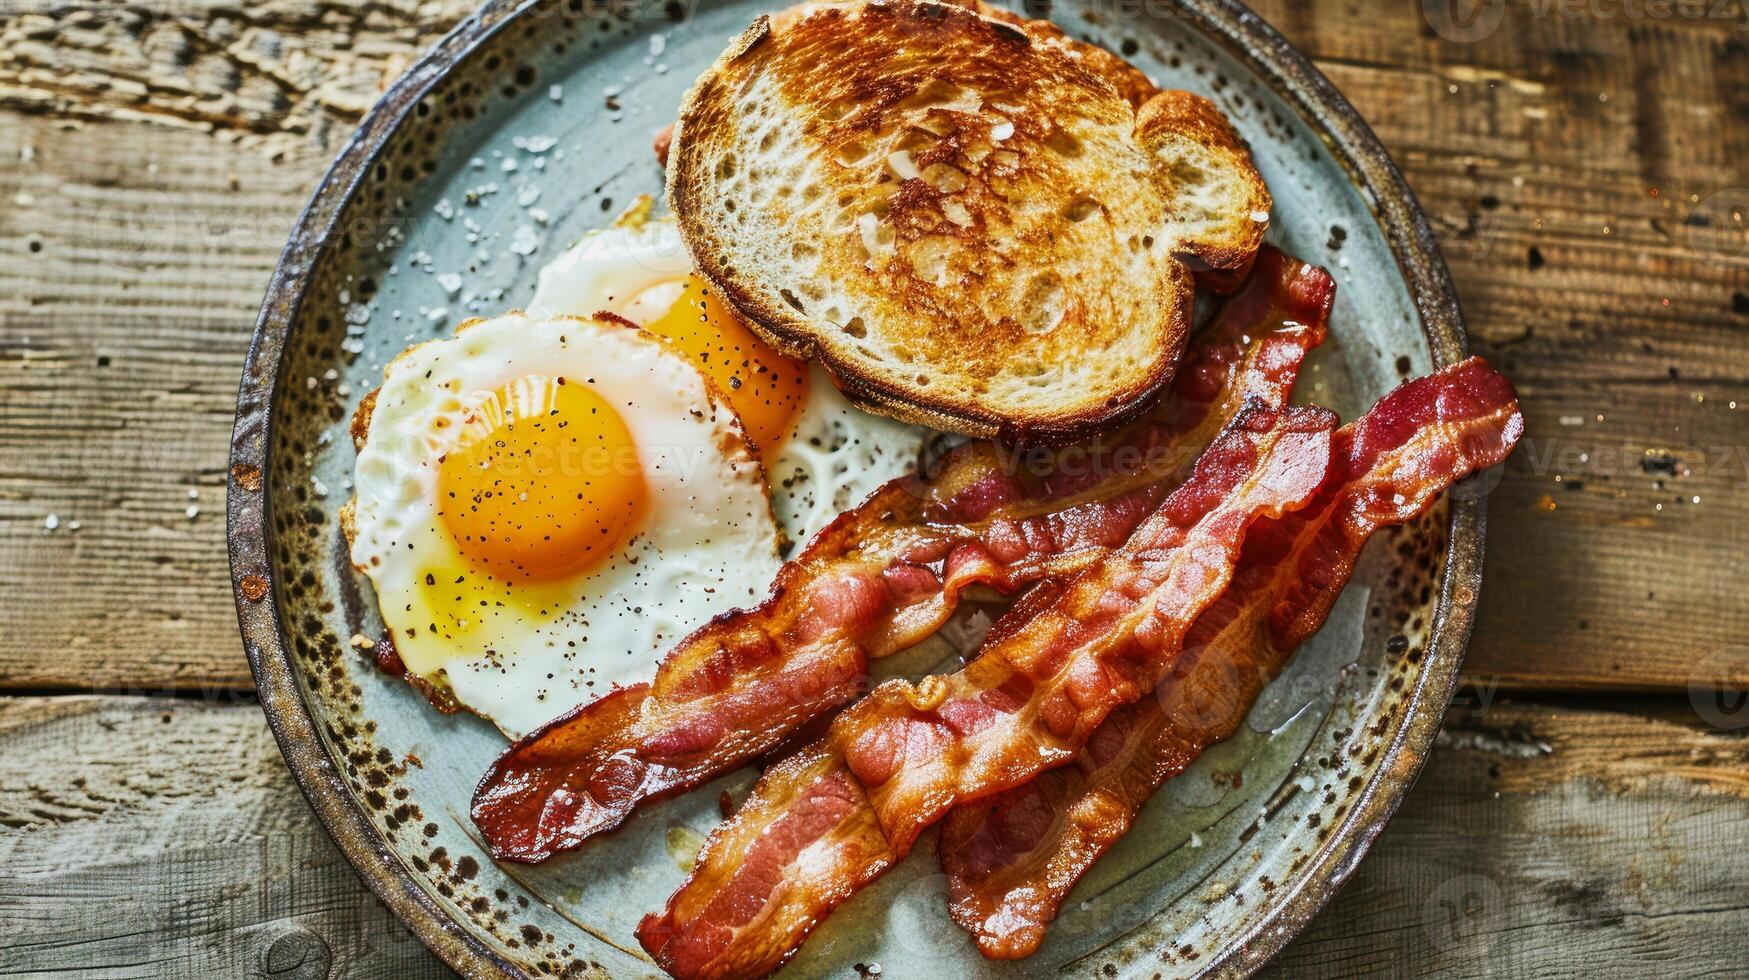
(707,540)
(835,455)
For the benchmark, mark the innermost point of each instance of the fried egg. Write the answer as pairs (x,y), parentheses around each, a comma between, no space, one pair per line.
(545,504)
(822,455)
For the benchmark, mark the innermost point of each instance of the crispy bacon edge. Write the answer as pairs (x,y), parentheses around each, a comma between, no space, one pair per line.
(835,816)
(882,577)
(1012,859)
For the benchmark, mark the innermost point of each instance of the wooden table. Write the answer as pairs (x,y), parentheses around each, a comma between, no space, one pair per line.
(1584,163)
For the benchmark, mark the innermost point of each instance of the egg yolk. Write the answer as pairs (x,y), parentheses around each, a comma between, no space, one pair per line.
(544,480)
(765,388)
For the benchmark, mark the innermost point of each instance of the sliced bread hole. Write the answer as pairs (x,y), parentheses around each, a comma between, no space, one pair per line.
(912,140)
(790,298)
(853,152)
(1034,374)
(1188,173)
(929,260)
(875,236)
(855,328)
(946,179)
(1080,209)
(1063,142)
(938,123)
(900,164)
(726,167)
(1042,304)
(938,93)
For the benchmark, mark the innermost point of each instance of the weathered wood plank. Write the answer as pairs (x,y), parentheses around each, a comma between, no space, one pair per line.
(1554,841)
(1583,172)
(170,149)
(155,159)
(164,838)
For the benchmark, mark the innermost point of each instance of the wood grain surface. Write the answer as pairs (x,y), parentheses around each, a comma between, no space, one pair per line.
(1528,849)
(1584,164)
(1552,841)
(161,158)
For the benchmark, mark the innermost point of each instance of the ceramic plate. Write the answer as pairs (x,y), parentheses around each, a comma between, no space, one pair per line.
(528,126)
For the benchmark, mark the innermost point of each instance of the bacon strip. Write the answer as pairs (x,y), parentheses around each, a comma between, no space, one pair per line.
(882,577)
(1011,859)
(839,813)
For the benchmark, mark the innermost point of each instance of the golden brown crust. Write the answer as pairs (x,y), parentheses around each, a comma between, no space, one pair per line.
(1040,430)
(360,426)
(963,249)
(348,518)
(1223,259)
(1130,81)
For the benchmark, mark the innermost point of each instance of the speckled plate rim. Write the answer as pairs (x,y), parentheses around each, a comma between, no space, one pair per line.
(1228,23)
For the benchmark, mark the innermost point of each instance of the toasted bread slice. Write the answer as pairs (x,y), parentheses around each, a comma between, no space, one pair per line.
(1131,82)
(964,216)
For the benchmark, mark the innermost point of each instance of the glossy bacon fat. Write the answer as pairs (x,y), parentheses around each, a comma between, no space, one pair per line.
(835,816)
(1011,859)
(884,576)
